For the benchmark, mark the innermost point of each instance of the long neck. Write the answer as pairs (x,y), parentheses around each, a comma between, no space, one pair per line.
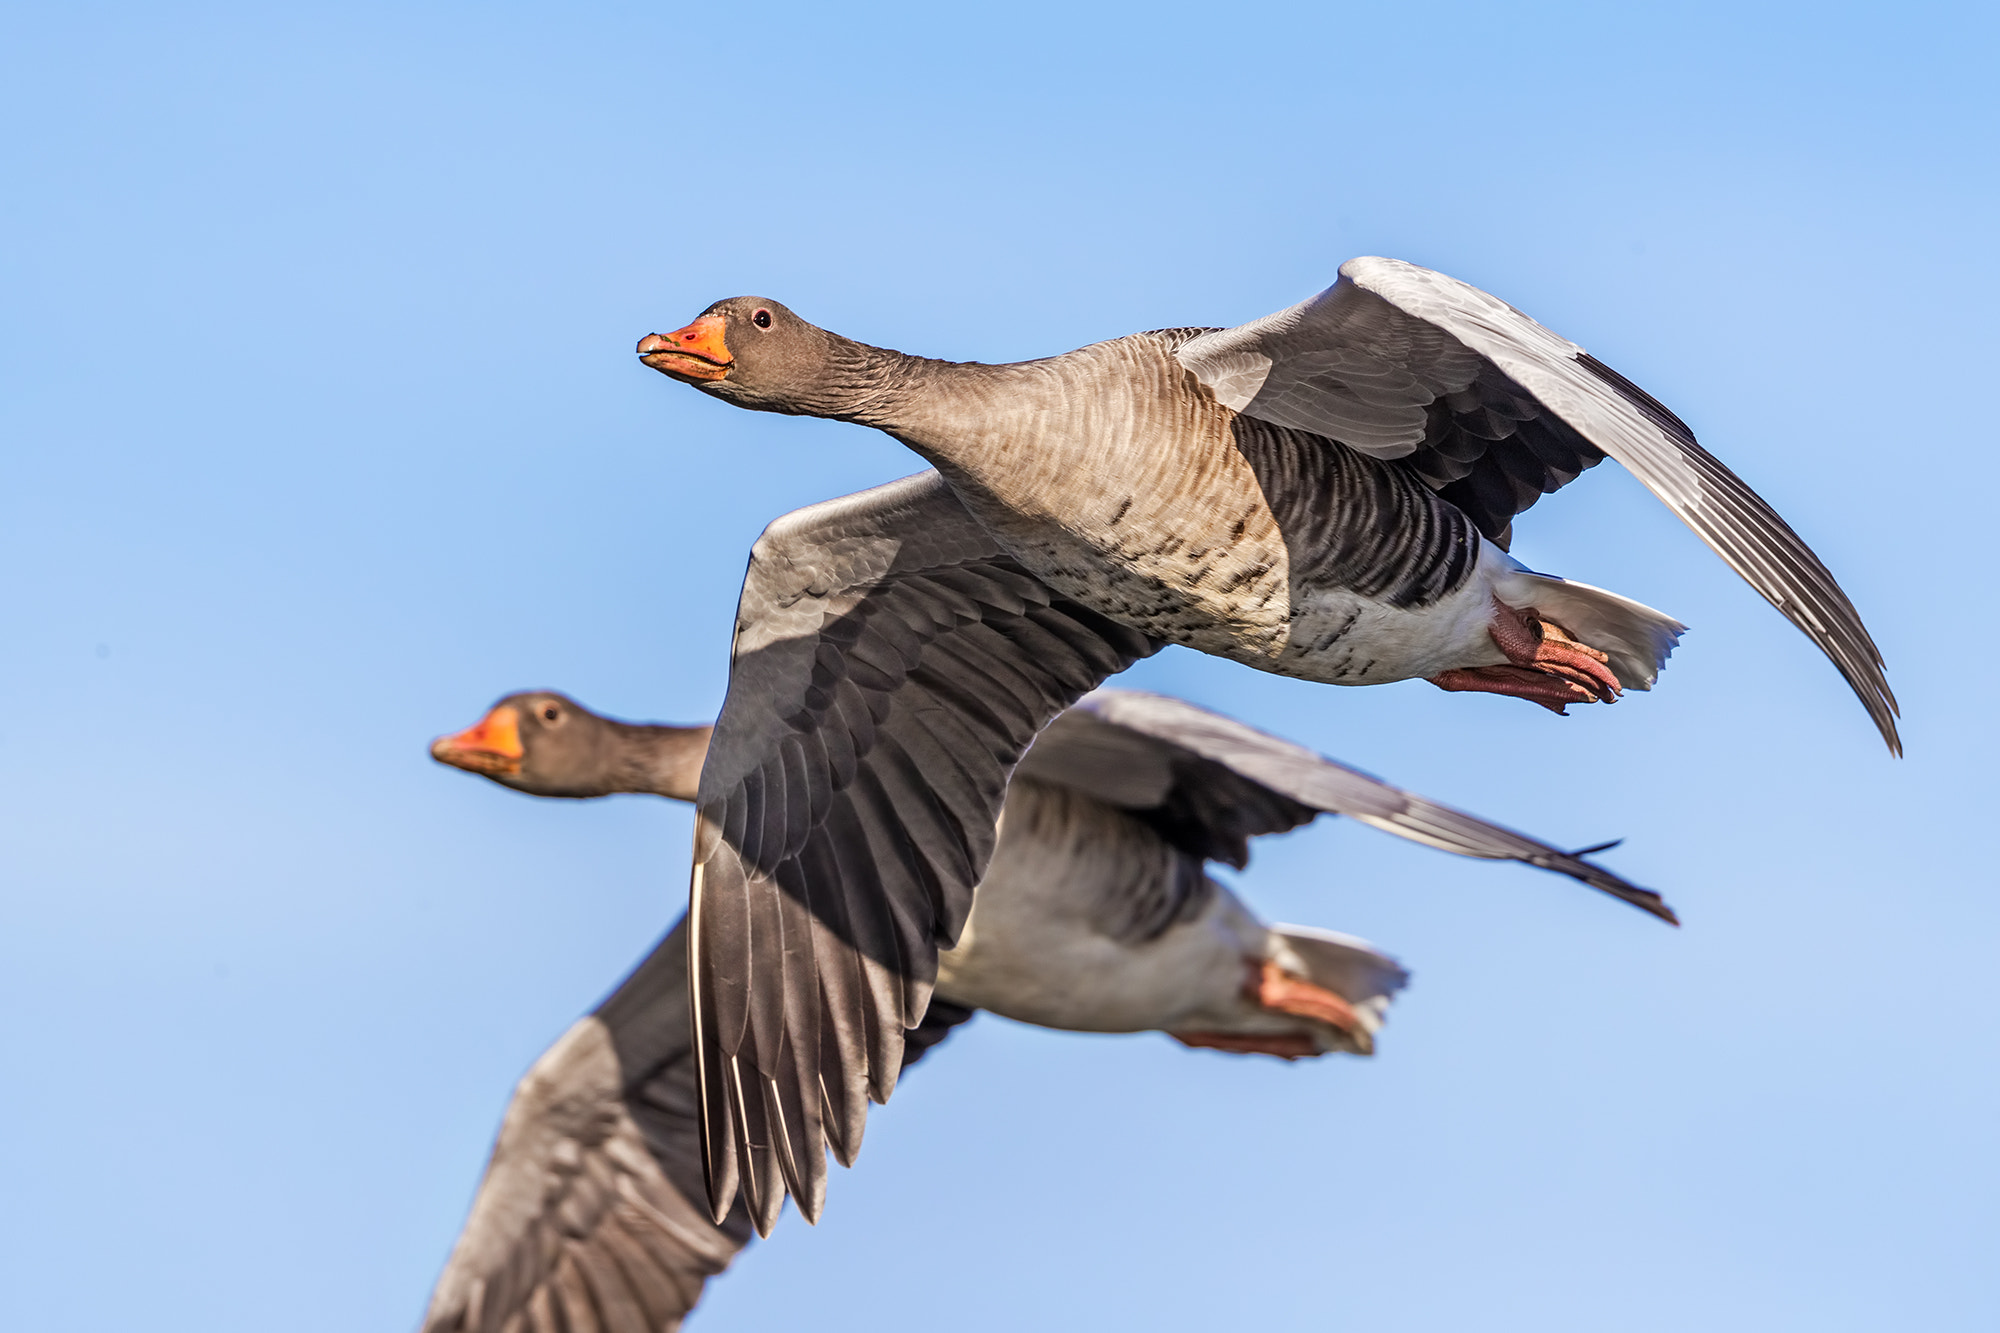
(874,386)
(956,414)
(659,759)
(1065,435)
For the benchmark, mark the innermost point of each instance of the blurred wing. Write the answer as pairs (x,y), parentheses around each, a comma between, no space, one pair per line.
(1492,410)
(891,663)
(591,1214)
(1230,782)
(1203,808)
(941,1019)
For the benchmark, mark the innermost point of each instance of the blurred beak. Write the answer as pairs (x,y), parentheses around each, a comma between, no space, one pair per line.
(695,353)
(491,746)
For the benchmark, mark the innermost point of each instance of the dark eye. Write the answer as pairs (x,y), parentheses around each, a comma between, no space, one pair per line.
(550,713)
(762,319)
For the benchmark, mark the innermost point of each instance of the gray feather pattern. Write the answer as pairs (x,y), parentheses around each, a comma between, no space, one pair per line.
(589,1202)
(1232,782)
(894,621)
(594,1202)
(1493,410)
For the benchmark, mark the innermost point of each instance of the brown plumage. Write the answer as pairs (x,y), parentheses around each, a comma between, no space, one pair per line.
(1096,914)
(1325,493)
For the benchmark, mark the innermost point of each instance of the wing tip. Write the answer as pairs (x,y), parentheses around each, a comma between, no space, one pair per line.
(1646,900)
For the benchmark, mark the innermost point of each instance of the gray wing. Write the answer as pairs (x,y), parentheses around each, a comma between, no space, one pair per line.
(1492,410)
(1208,784)
(592,1214)
(891,663)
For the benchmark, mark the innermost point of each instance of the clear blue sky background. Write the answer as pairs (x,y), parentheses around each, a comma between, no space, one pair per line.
(321,430)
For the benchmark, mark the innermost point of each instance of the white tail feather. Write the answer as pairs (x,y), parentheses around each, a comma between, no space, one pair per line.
(1637,638)
(1351,968)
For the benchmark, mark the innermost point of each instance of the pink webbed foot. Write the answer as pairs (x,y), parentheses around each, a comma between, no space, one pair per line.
(1549,666)
(1272,987)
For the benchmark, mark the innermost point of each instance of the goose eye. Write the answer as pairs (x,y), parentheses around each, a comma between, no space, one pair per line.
(550,713)
(762,319)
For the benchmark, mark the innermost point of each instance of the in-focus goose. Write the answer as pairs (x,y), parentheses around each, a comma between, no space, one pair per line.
(1325,493)
(1095,915)
(890,665)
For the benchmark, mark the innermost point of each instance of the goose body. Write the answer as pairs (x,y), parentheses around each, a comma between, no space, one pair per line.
(1096,914)
(1156,507)
(592,1212)
(1326,493)
(1039,945)
(892,663)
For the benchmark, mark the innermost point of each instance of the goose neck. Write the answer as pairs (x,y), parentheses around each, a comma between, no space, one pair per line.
(883,388)
(660,760)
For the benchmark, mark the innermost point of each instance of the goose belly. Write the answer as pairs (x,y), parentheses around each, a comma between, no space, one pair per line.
(1321,632)
(1021,963)
(1087,921)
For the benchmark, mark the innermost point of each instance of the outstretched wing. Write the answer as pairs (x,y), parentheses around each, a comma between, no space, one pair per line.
(891,663)
(1492,410)
(591,1214)
(1209,784)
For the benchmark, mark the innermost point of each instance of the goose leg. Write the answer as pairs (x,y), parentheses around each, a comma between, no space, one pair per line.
(1548,666)
(1272,988)
(1287,993)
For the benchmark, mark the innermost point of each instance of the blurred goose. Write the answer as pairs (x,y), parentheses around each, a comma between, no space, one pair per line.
(1327,492)
(1096,915)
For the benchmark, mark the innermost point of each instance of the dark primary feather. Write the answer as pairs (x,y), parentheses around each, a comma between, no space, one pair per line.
(592,1213)
(1759,545)
(1207,781)
(891,664)
(941,1019)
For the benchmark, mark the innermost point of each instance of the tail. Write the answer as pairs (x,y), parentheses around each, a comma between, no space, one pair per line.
(1351,968)
(1637,638)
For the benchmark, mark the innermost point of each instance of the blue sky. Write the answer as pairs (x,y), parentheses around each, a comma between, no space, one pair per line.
(321,430)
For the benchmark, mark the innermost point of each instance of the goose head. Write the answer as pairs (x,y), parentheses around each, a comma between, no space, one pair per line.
(539,742)
(547,744)
(756,353)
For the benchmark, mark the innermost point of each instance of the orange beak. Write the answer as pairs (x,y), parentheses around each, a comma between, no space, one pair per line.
(696,352)
(491,746)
